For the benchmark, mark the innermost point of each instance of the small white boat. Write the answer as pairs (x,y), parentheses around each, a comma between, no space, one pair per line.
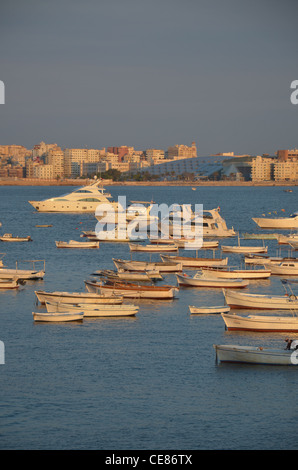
(201,280)
(94,310)
(76,244)
(285,268)
(278,222)
(194,244)
(9,283)
(58,317)
(231,273)
(24,274)
(194,262)
(161,267)
(8,237)
(208,310)
(254,355)
(260,301)
(77,297)
(153,248)
(264,323)
(130,290)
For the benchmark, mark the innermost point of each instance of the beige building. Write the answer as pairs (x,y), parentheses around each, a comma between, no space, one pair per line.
(43,172)
(56,159)
(182,151)
(262,169)
(286,171)
(74,159)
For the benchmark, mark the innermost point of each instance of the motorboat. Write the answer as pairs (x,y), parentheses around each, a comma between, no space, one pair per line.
(183,222)
(9,283)
(209,310)
(231,273)
(76,244)
(8,237)
(77,297)
(153,248)
(264,323)
(201,280)
(254,355)
(161,267)
(194,262)
(290,222)
(130,290)
(83,199)
(286,268)
(58,317)
(260,301)
(94,310)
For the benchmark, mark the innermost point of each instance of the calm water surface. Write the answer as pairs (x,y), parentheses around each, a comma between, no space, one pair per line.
(151,382)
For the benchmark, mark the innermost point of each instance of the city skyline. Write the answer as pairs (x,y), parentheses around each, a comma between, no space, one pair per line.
(150,74)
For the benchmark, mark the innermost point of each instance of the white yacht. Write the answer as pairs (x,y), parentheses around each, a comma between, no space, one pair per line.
(83,199)
(213,225)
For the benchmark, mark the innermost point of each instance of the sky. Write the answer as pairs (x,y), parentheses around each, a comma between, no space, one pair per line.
(150,74)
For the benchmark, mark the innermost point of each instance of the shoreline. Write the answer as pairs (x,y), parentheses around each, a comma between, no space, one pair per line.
(83,182)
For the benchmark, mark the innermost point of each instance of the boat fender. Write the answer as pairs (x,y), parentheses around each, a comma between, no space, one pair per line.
(260,348)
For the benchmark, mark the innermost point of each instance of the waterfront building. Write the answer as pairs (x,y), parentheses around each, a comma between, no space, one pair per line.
(262,168)
(43,172)
(286,171)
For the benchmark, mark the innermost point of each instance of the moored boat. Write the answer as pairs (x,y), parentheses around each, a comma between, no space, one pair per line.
(254,355)
(201,280)
(285,268)
(260,301)
(8,237)
(264,323)
(77,297)
(9,283)
(290,222)
(94,310)
(244,249)
(76,244)
(162,267)
(209,310)
(153,248)
(130,290)
(194,262)
(58,317)
(231,273)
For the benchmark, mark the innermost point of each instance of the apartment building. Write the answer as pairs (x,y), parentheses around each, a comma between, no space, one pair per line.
(56,159)
(44,172)
(286,171)
(262,168)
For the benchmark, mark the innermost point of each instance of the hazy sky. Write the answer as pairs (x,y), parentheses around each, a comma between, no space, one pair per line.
(150,73)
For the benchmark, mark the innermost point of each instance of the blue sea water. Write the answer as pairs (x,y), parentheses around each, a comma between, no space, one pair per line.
(149,382)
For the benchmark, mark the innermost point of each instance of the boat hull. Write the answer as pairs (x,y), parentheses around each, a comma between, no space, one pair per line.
(205,282)
(189,262)
(77,298)
(254,355)
(134,291)
(282,223)
(259,301)
(165,267)
(261,323)
(209,310)
(238,273)
(94,310)
(58,317)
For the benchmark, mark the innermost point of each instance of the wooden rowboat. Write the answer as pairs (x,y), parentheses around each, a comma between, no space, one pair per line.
(264,323)
(208,310)
(255,355)
(58,317)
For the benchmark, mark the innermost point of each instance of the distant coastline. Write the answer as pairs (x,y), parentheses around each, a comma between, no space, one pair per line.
(83,182)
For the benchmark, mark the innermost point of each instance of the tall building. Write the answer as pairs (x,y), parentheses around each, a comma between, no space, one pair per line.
(56,159)
(286,171)
(285,155)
